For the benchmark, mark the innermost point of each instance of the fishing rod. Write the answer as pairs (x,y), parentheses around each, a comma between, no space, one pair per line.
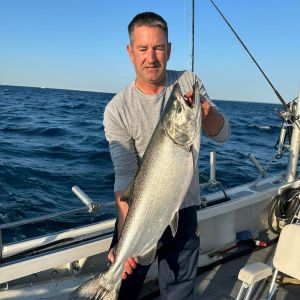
(261,70)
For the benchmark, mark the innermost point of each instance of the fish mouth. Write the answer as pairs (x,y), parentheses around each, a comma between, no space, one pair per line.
(195,104)
(189,101)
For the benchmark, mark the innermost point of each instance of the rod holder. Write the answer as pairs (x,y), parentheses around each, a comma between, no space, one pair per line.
(282,135)
(212,164)
(212,181)
(85,199)
(281,142)
(295,145)
(260,169)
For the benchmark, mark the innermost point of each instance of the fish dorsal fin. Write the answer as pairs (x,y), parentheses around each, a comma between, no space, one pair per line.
(127,195)
(147,258)
(174,224)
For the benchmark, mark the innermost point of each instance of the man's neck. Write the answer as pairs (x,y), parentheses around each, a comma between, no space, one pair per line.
(149,88)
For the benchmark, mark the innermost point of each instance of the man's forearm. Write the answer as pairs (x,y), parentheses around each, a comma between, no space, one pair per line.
(213,123)
(122,207)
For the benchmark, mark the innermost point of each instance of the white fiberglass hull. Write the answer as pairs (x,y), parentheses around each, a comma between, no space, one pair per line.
(55,273)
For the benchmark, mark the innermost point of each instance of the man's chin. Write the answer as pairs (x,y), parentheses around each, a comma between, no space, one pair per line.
(154,77)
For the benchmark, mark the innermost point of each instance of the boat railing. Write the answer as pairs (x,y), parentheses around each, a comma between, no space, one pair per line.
(91,207)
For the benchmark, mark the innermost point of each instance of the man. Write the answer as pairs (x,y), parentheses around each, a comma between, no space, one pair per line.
(129,121)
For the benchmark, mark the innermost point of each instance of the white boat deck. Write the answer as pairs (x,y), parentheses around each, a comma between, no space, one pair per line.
(220,282)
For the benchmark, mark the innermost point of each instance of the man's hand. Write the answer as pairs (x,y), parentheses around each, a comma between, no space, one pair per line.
(129,265)
(205,105)
(212,120)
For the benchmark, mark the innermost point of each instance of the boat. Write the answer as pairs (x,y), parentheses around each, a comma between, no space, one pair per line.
(233,222)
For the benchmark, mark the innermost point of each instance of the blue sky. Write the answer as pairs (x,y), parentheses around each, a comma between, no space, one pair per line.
(81,45)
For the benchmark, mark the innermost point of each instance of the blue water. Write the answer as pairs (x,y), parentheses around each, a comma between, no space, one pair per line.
(53,139)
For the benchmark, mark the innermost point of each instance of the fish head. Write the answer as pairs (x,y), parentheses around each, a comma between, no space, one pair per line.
(182,118)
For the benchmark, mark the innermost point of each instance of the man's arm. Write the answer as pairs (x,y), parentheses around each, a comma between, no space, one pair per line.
(122,207)
(214,124)
(124,159)
(212,120)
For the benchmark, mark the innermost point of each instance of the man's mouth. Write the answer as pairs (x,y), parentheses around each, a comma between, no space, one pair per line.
(152,67)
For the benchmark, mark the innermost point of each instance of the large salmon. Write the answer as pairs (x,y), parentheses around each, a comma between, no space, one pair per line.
(156,192)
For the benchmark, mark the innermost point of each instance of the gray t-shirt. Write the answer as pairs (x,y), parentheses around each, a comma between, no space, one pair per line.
(129,122)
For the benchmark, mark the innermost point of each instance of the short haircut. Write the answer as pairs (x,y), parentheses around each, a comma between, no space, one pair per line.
(148,19)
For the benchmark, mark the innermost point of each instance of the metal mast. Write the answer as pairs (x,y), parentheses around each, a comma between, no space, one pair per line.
(193,33)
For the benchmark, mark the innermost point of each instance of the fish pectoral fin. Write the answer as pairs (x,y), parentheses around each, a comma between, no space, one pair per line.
(174,224)
(147,258)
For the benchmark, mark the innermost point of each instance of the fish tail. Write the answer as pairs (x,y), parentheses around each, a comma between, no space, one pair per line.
(96,288)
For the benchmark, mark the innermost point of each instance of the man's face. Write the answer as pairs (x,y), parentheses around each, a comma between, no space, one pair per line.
(149,51)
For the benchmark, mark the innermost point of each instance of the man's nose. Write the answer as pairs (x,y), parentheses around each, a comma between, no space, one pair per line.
(151,55)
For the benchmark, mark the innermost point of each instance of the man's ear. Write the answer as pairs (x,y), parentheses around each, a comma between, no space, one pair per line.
(130,52)
(169,50)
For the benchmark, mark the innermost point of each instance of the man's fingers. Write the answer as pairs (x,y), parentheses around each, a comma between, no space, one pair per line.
(188,95)
(188,98)
(132,261)
(202,99)
(128,268)
(111,256)
(124,275)
(129,265)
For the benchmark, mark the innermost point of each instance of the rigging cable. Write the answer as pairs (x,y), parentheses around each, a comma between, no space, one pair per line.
(242,43)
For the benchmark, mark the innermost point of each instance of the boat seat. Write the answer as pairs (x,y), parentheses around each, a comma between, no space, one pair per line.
(286,260)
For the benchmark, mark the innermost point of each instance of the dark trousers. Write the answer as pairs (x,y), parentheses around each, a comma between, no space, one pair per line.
(177,262)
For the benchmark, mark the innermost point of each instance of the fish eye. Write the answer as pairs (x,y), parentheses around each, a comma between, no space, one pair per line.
(179,109)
